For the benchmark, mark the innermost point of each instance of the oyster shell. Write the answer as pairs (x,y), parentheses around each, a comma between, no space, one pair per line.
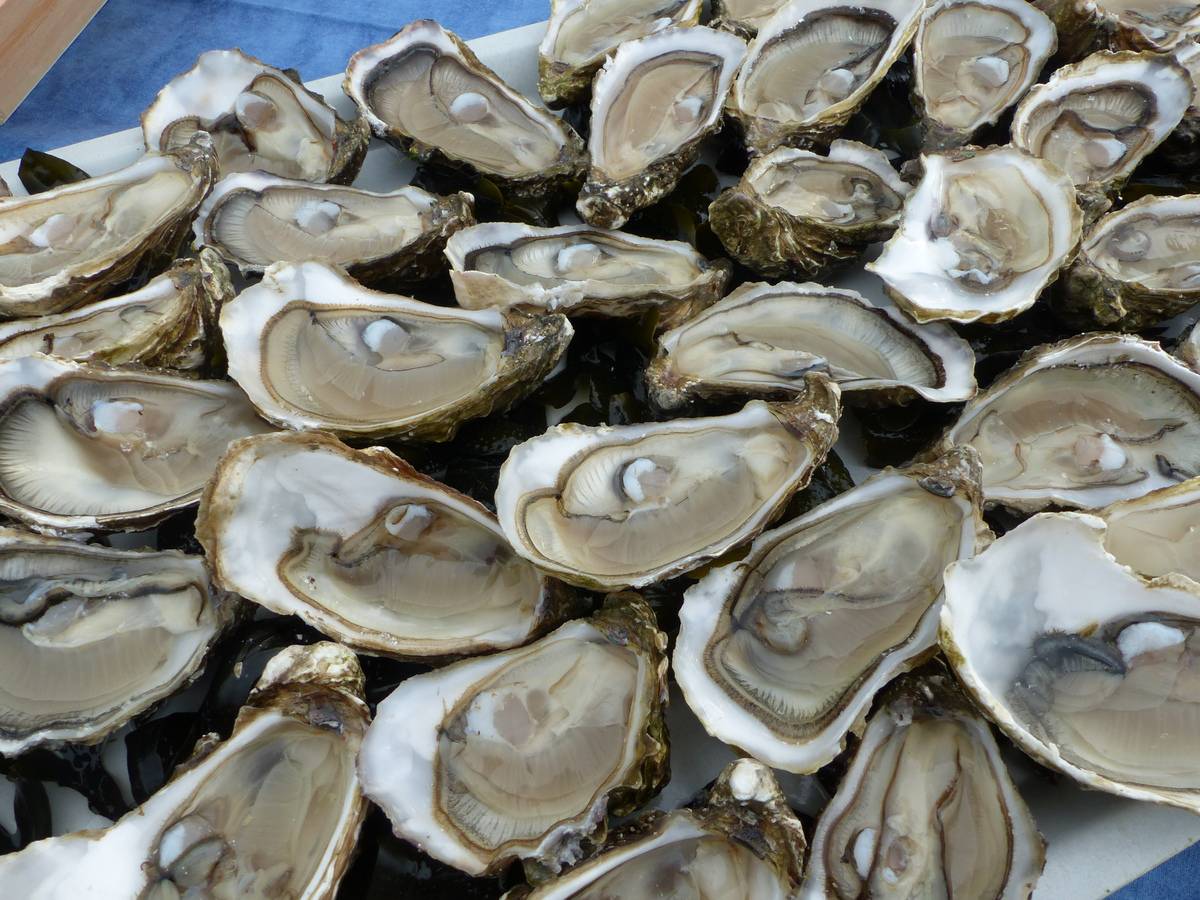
(1084,423)
(653,103)
(583,33)
(744,17)
(67,246)
(1187,132)
(425,92)
(762,339)
(1099,690)
(523,754)
(634,504)
(314,349)
(983,233)
(368,551)
(1188,348)
(795,213)
(259,118)
(1157,25)
(91,637)
(781,653)
(580,270)
(813,65)
(1157,533)
(927,809)
(84,447)
(273,811)
(972,60)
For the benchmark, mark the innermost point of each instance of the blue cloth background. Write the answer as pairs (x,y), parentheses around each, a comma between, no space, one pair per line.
(133,47)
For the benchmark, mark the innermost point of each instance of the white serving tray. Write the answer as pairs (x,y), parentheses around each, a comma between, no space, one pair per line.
(1096,843)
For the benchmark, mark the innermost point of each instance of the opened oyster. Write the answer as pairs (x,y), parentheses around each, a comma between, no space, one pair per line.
(1157,25)
(927,809)
(1157,533)
(1099,690)
(582,34)
(795,213)
(273,811)
(424,91)
(781,653)
(741,840)
(1084,423)
(523,754)
(744,17)
(633,504)
(972,60)
(83,447)
(579,270)
(813,65)
(67,246)
(983,233)
(259,118)
(314,349)
(762,339)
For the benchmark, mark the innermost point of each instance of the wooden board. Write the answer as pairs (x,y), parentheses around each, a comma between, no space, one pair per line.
(33,35)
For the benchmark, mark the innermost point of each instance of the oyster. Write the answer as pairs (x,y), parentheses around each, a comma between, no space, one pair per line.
(424,91)
(1188,348)
(813,65)
(523,754)
(927,809)
(582,34)
(83,447)
(1157,25)
(653,103)
(634,504)
(795,213)
(1187,133)
(1100,690)
(259,118)
(255,220)
(67,246)
(1157,533)
(273,811)
(368,551)
(741,840)
(1084,423)
(744,17)
(983,233)
(90,636)
(781,653)
(314,349)
(579,270)
(762,339)
(972,60)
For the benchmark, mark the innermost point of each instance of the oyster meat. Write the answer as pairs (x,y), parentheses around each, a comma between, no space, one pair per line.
(314,349)
(744,17)
(1157,533)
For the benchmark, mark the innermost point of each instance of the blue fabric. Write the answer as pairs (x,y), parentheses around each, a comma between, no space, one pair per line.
(1176,879)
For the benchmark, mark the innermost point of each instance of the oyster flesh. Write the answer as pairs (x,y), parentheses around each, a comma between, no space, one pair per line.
(653,103)
(744,17)
(523,754)
(314,349)
(1157,533)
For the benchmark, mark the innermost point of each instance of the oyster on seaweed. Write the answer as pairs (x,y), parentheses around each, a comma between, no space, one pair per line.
(1157,533)
(744,17)
(272,811)
(260,118)
(796,213)
(653,103)
(523,754)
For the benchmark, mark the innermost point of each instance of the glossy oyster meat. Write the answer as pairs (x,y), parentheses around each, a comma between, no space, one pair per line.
(927,808)
(615,506)
(813,65)
(368,551)
(91,636)
(983,233)
(1084,423)
(67,246)
(260,118)
(781,653)
(744,17)
(273,811)
(1101,691)
(972,60)
(83,447)
(580,270)
(739,840)
(762,340)
(523,754)
(583,33)
(424,91)
(1158,533)
(653,103)
(796,213)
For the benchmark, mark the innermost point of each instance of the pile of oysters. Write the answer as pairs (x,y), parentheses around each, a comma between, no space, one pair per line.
(368,544)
